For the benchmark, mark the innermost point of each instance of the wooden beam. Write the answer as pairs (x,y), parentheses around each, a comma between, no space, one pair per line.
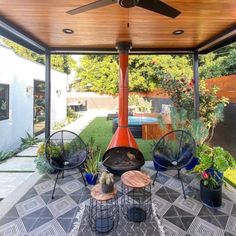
(12,32)
(110,51)
(220,40)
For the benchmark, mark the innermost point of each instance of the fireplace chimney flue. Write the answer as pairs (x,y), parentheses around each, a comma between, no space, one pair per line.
(123,153)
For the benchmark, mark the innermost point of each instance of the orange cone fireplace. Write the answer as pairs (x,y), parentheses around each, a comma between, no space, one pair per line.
(123,153)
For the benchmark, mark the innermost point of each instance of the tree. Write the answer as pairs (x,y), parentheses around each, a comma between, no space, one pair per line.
(100,73)
(219,63)
(62,63)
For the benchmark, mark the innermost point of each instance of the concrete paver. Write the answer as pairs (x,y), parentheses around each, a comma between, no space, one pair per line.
(17,164)
(10,181)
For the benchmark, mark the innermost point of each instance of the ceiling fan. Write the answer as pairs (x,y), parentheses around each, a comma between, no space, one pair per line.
(151,5)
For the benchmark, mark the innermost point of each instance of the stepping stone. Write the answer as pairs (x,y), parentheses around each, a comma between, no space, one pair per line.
(29,152)
(18,164)
(10,181)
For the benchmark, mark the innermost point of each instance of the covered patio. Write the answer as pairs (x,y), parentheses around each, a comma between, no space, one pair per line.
(195,27)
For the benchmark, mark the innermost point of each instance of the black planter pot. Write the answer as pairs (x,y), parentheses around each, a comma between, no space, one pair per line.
(211,197)
(107,188)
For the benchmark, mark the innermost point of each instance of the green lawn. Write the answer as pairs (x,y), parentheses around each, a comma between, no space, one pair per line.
(101,130)
(230,177)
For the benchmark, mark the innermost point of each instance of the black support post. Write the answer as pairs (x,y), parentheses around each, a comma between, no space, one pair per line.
(47,94)
(196,84)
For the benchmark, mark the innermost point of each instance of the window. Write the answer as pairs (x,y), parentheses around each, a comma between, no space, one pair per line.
(4,101)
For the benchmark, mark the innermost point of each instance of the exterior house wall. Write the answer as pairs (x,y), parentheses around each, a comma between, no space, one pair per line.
(20,73)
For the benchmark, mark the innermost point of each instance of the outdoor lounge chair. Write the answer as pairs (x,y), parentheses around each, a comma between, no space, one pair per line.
(65,150)
(173,151)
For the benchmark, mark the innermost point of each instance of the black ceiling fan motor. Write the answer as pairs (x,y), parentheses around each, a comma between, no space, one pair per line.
(128,3)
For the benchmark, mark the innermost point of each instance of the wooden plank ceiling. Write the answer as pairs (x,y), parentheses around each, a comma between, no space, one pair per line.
(102,28)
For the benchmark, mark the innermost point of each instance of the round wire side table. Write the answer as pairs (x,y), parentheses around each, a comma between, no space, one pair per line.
(136,197)
(103,210)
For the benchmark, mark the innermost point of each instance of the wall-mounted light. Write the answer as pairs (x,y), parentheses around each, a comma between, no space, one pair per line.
(58,92)
(29,90)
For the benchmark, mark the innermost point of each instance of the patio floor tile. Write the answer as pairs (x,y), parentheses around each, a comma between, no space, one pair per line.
(37,214)
(168,194)
(233,213)
(15,227)
(201,227)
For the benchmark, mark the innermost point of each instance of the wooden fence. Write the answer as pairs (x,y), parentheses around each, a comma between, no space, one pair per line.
(227,86)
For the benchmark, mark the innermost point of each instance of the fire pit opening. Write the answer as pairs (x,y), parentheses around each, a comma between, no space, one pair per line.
(121,159)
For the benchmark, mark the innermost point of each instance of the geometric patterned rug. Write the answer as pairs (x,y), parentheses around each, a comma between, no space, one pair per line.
(37,214)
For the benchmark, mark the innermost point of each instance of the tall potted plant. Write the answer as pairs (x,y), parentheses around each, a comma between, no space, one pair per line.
(212,164)
(200,133)
(92,167)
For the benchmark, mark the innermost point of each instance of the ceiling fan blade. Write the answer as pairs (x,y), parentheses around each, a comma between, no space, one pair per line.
(91,6)
(159,7)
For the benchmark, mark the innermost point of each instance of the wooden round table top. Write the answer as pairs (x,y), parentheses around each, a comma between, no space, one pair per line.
(135,179)
(97,193)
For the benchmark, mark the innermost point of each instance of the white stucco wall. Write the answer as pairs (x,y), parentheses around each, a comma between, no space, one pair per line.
(20,73)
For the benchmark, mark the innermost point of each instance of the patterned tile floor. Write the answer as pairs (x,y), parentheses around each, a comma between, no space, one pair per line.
(67,214)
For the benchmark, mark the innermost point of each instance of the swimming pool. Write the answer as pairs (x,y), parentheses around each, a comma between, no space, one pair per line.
(135,124)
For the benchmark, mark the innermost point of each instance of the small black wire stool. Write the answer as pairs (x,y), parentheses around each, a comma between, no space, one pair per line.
(103,210)
(136,196)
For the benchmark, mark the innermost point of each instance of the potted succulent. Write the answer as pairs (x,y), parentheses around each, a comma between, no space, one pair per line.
(92,167)
(212,164)
(107,182)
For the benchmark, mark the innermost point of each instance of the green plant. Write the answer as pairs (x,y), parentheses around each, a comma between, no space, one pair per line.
(71,113)
(58,125)
(106,178)
(199,131)
(140,104)
(5,155)
(94,156)
(28,141)
(93,148)
(181,93)
(42,165)
(92,163)
(53,151)
(40,160)
(213,162)
(179,118)
(169,148)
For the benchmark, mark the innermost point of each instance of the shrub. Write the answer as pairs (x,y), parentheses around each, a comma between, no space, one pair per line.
(71,113)
(40,160)
(141,104)
(5,155)
(28,141)
(182,94)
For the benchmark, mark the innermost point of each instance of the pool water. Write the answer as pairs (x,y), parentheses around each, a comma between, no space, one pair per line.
(136,120)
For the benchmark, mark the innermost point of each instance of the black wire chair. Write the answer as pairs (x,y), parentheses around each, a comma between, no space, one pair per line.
(65,150)
(173,151)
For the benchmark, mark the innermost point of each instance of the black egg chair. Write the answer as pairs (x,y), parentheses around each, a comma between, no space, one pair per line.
(173,151)
(65,150)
